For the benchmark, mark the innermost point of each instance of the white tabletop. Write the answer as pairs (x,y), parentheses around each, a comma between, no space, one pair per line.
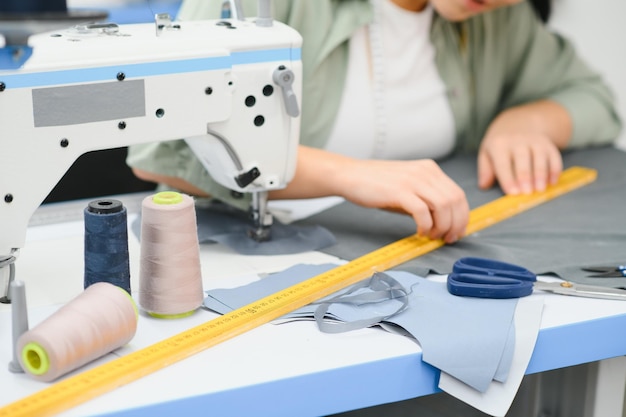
(274,370)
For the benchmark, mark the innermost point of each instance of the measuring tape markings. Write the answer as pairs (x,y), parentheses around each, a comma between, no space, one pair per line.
(114,374)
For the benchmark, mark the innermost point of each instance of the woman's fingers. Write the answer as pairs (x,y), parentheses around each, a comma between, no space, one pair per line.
(519,163)
(419,188)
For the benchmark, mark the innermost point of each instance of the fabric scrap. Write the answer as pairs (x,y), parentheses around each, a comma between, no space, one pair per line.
(468,338)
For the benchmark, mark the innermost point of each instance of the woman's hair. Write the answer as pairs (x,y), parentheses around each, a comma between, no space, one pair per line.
(543,8)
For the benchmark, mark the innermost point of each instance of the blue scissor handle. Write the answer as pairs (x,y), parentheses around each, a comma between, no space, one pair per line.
(488,278)
(486,286)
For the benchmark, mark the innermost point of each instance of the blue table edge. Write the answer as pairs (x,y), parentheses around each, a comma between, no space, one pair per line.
(385,381)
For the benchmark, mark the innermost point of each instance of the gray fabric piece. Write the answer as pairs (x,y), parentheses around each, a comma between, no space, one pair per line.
(469,338)
(584,227)
(221,223)
(377,293)
(229,226)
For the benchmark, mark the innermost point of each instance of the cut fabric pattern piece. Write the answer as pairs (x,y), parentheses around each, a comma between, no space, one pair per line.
(497,399)
(225,300)
(469,339)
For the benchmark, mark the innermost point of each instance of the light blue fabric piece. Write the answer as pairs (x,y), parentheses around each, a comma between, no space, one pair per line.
(507,356)
(463,336)
(224,300)
(470,339)
(431,315)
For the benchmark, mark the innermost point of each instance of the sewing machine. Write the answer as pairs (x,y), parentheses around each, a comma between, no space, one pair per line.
(229,87)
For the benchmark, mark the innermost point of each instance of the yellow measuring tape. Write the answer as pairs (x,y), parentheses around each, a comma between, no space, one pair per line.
(104,378)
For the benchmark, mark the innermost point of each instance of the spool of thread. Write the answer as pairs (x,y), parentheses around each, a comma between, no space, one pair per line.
(99,320)
(106,244)
(170,279)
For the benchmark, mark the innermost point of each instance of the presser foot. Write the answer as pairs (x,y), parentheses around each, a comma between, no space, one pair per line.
(260,234)
(261,218)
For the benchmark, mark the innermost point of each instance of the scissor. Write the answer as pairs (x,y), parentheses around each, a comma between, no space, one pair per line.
(606,271)
(489,278)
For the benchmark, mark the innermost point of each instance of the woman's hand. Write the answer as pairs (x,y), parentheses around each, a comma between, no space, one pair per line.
(419,188)
(521,163)
(521,150)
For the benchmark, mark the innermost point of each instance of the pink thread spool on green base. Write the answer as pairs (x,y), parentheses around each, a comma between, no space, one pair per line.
(96,322)
(170,279)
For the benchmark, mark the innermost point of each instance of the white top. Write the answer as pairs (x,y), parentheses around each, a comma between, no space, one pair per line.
(404,113)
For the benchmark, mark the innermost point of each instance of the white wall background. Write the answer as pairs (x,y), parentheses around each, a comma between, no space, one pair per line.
(598,30)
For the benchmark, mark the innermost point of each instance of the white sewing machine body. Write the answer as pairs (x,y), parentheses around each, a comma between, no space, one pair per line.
(107,86)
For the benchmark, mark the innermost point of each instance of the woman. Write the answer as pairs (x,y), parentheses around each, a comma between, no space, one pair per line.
(390,86)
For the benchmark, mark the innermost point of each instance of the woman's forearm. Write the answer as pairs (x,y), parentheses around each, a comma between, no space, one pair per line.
(318,174)
(545,117)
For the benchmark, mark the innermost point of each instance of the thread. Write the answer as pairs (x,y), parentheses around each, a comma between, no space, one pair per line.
(170,279)
(106,244)
(99,320)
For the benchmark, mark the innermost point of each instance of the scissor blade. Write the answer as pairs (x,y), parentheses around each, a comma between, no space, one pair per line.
(606,271)
(599,268)
(580,290)
(609,274)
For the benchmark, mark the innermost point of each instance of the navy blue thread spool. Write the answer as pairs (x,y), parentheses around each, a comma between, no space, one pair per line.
(106,244)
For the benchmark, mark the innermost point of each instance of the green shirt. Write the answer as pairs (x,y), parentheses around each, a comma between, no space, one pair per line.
(488,63)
